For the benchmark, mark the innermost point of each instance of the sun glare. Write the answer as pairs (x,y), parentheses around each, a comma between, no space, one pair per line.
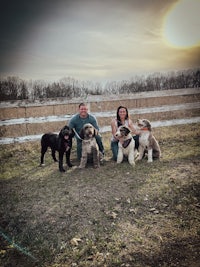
(182,24)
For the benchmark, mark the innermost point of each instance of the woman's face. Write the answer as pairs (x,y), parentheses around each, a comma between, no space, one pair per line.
(122,113)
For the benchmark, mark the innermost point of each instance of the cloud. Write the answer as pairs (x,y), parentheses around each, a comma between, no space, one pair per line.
(95,39)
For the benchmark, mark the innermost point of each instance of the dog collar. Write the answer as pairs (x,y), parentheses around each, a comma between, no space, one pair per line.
(144,129)
(126,143)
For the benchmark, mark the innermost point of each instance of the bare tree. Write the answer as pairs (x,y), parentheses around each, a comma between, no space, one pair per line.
(13,88)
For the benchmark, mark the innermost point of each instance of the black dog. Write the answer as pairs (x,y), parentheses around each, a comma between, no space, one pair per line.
(61,142)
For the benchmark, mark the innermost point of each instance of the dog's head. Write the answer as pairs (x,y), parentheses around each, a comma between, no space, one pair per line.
(88,131)
(144,124)
(66,133)
(122,131)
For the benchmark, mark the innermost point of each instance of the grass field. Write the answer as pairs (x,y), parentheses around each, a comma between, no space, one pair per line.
(146,216)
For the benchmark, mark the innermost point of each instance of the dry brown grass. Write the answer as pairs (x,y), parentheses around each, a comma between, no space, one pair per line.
(119,216)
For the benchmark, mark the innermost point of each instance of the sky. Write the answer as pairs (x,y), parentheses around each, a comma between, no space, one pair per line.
(97,40)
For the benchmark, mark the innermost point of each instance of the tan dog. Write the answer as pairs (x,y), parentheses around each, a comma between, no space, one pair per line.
(90,149)
(126,145)
(147,142)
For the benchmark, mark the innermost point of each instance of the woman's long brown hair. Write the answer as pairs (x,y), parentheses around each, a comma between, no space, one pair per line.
(119,123)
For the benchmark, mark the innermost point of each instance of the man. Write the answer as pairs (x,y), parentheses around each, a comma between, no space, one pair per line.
(77,121)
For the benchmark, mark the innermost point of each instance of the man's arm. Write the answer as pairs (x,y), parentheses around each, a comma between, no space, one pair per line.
(94,122)
(72,122)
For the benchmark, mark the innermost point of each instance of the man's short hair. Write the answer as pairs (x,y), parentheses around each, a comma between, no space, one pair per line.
(82,104)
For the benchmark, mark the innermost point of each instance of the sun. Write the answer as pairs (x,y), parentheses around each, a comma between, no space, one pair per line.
(182,24)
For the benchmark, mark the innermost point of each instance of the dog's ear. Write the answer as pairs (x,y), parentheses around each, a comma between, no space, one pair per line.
(61,133)
(72,133)
(127,130)
(95,132)
(82,133)
(148,125)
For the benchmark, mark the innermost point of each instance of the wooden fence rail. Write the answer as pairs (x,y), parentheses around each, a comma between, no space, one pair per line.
(21,119)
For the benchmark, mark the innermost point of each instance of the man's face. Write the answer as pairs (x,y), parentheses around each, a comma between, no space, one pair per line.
(83,111)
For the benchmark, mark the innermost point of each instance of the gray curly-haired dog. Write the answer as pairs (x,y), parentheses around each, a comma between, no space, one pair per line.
(90,149)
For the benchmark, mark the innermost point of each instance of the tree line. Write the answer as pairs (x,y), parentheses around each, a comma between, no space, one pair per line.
(14,88)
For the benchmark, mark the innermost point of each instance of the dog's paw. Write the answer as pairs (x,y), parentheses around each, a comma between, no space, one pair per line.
(81,167)
(70,165)
(74,167)
(96,166)
(136,154)
(42,165)
(62,170)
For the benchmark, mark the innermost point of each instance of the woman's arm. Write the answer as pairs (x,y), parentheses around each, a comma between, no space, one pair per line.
(132,128)
(113,127)
(93,121)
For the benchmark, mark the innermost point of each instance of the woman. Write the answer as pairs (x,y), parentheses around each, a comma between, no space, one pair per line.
(122,119)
